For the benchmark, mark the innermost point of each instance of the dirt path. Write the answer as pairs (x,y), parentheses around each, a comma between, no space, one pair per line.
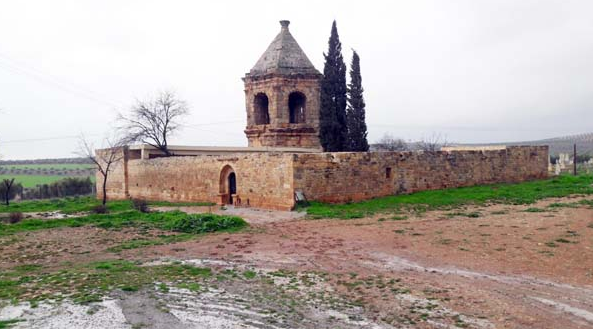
(486,267)
(507,265)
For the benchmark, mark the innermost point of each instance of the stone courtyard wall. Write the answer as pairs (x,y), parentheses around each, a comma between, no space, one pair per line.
(343,177)
(269,180)
(263,179)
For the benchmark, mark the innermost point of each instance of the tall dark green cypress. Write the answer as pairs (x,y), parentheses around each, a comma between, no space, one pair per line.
(333,127)
(357,127)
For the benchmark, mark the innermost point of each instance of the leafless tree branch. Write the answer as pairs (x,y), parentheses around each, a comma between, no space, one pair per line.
(390,143)
(104,159)
(432,143)
(153,121)
(8,183)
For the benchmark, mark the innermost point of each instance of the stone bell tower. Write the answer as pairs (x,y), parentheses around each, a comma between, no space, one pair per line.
(282,96)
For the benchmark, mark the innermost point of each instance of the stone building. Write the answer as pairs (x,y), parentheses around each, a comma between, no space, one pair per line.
(282,96)
(284,159)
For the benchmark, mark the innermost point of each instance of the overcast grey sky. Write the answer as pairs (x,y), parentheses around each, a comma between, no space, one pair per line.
(474,70)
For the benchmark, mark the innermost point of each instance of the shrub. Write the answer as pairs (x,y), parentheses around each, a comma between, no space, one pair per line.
(534,209)
(70,186)
(15,217)
(140,205)
(203,223)
(100,209)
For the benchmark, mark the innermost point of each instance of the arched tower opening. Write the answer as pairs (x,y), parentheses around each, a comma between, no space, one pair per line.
(261,112)
(297,104)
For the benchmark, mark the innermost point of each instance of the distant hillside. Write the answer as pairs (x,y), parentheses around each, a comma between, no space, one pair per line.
(47,161)
(31,173)
(558,144)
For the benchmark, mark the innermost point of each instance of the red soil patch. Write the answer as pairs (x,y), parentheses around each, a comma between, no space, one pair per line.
(514,268)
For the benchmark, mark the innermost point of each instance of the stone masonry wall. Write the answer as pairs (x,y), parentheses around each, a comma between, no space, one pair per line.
(116,177)
(279,132)
(263,179)
(269,180)
(342,177)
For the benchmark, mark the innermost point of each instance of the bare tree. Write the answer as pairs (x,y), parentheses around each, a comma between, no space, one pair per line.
(390,143)
(6,187)
(153,121)
(104,159)
(433,143)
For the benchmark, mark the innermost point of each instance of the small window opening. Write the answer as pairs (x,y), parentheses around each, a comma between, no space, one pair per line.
(388,172)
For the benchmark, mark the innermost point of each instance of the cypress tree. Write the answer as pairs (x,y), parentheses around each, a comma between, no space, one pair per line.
(357,127)
(333,127)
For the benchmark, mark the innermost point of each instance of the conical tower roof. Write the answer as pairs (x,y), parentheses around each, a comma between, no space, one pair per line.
(283,56)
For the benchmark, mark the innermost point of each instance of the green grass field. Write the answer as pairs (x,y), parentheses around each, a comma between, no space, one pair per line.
(36,173)
(175,221)
(31,281)
(81,204)
(69,166)
(34,180)
(521,193)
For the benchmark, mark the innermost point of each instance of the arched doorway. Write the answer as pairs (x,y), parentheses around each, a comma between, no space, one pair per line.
(228,184)
(297,104)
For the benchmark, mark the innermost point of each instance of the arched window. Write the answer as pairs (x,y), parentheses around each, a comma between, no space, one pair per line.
(260,109)
(297,104)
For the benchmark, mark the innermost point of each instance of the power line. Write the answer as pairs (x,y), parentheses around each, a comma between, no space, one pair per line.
(193,126)
(456,128)
(42,139)
(212,123)
(48,79)
(55,85)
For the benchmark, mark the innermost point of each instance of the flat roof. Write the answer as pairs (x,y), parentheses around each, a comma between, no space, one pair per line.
(473,148)
(224,149)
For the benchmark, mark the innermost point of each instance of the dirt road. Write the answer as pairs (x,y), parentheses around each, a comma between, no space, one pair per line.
(489,267)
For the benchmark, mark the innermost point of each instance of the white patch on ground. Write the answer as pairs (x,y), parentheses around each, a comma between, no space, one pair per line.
(582,295)
(349,315)
(435,310)
(215,309)
(583,314)
(207,263)
(317,282)
(159,262)
(106,314)
(198,320)
(220,308)
(281,281)
(359,323)
(49,215)
(401,264)
(193,262)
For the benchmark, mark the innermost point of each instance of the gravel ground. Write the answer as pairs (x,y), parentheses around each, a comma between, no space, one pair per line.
(508,267)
